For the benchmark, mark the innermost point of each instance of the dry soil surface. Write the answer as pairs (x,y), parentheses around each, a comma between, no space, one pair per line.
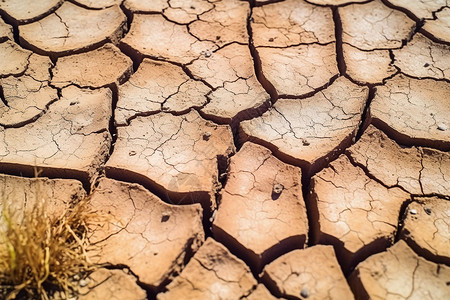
(258,149)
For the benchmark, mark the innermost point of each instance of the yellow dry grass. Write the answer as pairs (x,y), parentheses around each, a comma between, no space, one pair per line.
(41,253)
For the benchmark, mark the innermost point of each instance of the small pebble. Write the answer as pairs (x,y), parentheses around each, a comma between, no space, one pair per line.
(213,217)
(83,282)
(304,293)
(206,135)
(442,127)
(207,53)
(132,153)
(413,211)
(427,210)
(305,142)
(278,188)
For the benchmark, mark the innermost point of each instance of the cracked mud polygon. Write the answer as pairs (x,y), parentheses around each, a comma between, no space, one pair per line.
(260,149)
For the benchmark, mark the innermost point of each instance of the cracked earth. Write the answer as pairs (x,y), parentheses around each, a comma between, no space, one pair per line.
(261,149)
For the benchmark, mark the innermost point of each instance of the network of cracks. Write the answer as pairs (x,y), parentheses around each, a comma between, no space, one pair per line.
(242,149)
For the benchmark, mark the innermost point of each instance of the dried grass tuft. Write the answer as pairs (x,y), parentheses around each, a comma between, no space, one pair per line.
(41,253)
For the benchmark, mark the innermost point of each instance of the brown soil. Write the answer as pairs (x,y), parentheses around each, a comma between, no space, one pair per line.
(258,149)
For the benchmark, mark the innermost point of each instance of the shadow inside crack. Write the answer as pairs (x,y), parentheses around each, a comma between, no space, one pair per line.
(204,198)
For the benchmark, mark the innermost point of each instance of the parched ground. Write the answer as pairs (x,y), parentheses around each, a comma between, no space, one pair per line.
(242,149)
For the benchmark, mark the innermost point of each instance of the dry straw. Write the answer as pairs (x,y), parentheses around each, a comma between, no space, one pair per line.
(41,253)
